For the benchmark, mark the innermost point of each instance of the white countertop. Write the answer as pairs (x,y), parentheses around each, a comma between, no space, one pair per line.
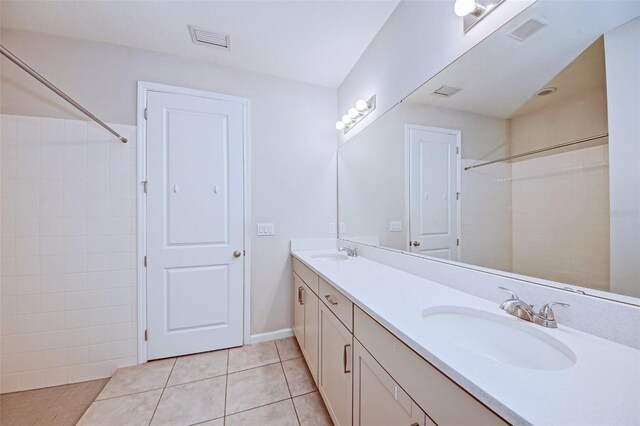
(602,388)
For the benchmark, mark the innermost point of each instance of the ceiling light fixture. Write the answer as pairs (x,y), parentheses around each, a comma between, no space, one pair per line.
(355,115)
(472,11)
(547,91)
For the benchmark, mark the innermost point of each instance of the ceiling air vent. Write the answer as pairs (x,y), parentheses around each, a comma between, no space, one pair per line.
(209,38)
(446,91)
(528,28)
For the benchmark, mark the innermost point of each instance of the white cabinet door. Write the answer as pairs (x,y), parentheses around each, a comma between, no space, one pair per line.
(377,398)
(194,224)
(298,309)
(311,330)
(433,186)
(334,376)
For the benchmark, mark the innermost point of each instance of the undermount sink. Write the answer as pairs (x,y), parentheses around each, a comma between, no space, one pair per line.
(330,257)
(498,338)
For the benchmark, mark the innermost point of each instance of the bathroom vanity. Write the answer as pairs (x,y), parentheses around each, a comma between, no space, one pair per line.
(500,174)
(388,347)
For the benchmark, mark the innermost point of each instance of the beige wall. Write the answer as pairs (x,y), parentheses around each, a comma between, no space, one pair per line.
(578,117)
(293,140)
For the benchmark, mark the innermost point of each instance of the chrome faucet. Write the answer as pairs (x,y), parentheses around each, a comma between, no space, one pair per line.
(351,252)
(518,308)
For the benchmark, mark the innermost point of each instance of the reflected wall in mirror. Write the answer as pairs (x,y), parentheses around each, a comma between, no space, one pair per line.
(504,160)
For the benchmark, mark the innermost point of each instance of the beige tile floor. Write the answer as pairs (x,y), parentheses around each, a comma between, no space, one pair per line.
(261,384)
(59,405)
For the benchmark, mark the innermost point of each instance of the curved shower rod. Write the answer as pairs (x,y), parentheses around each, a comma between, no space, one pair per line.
(13,58)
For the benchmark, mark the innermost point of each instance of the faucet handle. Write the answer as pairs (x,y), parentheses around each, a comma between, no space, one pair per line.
(546,312)
(513,295)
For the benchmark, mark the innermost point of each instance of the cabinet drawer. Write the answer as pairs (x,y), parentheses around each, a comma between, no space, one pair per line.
(337,303)
(307,275)
(443,400)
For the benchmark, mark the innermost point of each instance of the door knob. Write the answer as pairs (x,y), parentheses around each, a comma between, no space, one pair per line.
(237,253)
(416,243)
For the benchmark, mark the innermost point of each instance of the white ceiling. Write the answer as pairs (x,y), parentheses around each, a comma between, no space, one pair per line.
(501,73)
(312,41)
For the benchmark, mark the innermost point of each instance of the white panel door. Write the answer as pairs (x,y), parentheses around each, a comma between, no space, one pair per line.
(433,187)
(194,224)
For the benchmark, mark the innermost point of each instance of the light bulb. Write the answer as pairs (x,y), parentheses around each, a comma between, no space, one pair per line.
(464,7)
(339,125)
(346,119)
(353,113)
(362,105)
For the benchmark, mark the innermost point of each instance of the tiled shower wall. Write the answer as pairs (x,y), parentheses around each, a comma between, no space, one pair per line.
(68,298)
(561,217)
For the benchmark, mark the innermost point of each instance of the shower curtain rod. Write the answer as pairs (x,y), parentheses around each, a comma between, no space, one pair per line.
(13,58)
(537,151)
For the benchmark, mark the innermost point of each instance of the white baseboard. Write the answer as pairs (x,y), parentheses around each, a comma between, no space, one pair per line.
(272,335)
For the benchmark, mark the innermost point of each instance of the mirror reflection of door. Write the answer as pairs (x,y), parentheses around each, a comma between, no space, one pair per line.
(434,210)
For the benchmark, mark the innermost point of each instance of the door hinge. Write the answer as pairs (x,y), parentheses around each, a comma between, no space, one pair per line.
(457,195)
(458,241)
(144,186)
(145,261)
(457,147)
(146,114)
(146,335)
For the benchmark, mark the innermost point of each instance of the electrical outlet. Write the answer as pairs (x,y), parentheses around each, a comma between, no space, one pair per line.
(332,228)
(266,229)
(343,228)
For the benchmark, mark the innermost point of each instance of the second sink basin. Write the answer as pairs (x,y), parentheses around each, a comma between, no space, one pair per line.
(498,338)
(330,257)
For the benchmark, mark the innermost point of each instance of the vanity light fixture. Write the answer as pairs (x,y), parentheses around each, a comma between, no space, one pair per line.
(472,11)
(354,115)
(465,7)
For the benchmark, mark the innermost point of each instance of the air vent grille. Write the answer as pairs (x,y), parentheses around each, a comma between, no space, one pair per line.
(528,28)
(209,38)
(446,91)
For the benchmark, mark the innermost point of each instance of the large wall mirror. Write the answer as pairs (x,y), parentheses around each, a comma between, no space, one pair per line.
(522,156)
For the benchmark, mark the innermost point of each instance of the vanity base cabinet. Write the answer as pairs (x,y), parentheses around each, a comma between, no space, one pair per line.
(377,399)
(445,402)
(305,323)
(365,374)
(334,373)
